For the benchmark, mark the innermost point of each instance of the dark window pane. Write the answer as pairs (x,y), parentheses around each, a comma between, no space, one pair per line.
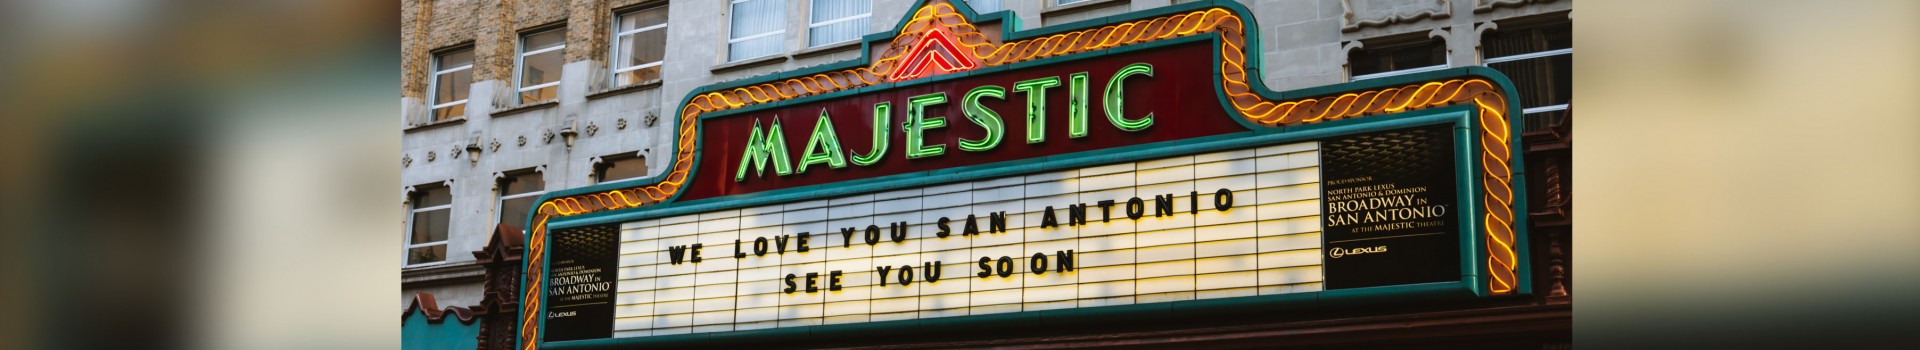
(649,47)
(449,112)
(515,211)
(543,40)
(1543,120)
(424,255)
(1397,57)
(522,183)
(454,59)
(539,95)
(431,196)
(1543,81)
(643,18)
(430,226)
(1523,40)
(449,87)
(625,168)
(639,75)
(540,68)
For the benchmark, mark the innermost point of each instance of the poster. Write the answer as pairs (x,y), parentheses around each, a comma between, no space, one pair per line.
(581,281)
(1390,208)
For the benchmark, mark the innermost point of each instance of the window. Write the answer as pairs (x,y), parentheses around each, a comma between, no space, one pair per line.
(986,6)
(838,21)
(452,76)
(540,60)
(1539,59)
(1068,2)
(642,40)
(759,29)
(1396,59)
(427,225)
(613,169)
(517,196)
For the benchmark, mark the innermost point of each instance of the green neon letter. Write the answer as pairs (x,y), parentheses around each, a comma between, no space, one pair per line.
(1115,99)
(917,124)
(983,116)
(759,148)
(882,128)
(825,140)
(1036,91)
(1077,105)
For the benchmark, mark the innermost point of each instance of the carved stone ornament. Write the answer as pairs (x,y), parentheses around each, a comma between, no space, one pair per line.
(592,129)
(546,136)
(494,146)
(454,153)
(430,156)
(651,119)
(620,124)
(1381,13)
(406,160)
(523,141)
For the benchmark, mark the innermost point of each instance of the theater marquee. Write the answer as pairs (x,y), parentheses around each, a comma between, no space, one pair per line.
(965,174)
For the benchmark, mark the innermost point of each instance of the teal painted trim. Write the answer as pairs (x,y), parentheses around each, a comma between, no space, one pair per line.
(416,333)
(1019,167)
(1472,250)
(1052,321)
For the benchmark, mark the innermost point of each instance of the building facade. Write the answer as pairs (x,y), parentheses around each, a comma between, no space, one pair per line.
(504,101)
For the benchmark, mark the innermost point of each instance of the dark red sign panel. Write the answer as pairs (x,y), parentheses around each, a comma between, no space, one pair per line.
(1179,92)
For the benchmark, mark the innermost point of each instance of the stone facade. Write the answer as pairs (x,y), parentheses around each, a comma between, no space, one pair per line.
(1304,43)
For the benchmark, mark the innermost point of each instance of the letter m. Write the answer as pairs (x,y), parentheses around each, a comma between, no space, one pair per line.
(759,148)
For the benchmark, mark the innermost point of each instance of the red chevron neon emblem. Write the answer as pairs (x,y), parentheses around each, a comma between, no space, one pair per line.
(924,61)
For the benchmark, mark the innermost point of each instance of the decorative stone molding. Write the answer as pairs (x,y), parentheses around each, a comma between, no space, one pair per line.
(430,156)
(454,153)
(592,129)
(427,306)
(546,136)
(620,124)
(406,160)
(1346,50)
(651,118)
(522,142)
(1489,5)
(1381,13)
(494,146)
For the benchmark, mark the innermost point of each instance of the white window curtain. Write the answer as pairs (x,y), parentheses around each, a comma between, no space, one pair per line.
(838,21)
(759,28)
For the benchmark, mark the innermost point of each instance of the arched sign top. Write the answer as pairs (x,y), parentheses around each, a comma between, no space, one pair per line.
(941,97)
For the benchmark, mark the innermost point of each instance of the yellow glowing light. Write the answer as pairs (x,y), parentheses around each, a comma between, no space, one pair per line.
(1235,85)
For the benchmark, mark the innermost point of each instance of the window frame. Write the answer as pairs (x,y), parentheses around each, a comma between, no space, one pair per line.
(1532,116)
(414,211)
(1529,56)
(1068,2)
(732,40)
(520,61)
(615,44)
(433,81)
(811,24)
(600,169)
(501,198)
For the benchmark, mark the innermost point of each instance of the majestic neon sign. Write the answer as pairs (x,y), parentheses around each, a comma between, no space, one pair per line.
(768,145)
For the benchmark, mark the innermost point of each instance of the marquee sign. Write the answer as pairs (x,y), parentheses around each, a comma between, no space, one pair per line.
(969,174)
